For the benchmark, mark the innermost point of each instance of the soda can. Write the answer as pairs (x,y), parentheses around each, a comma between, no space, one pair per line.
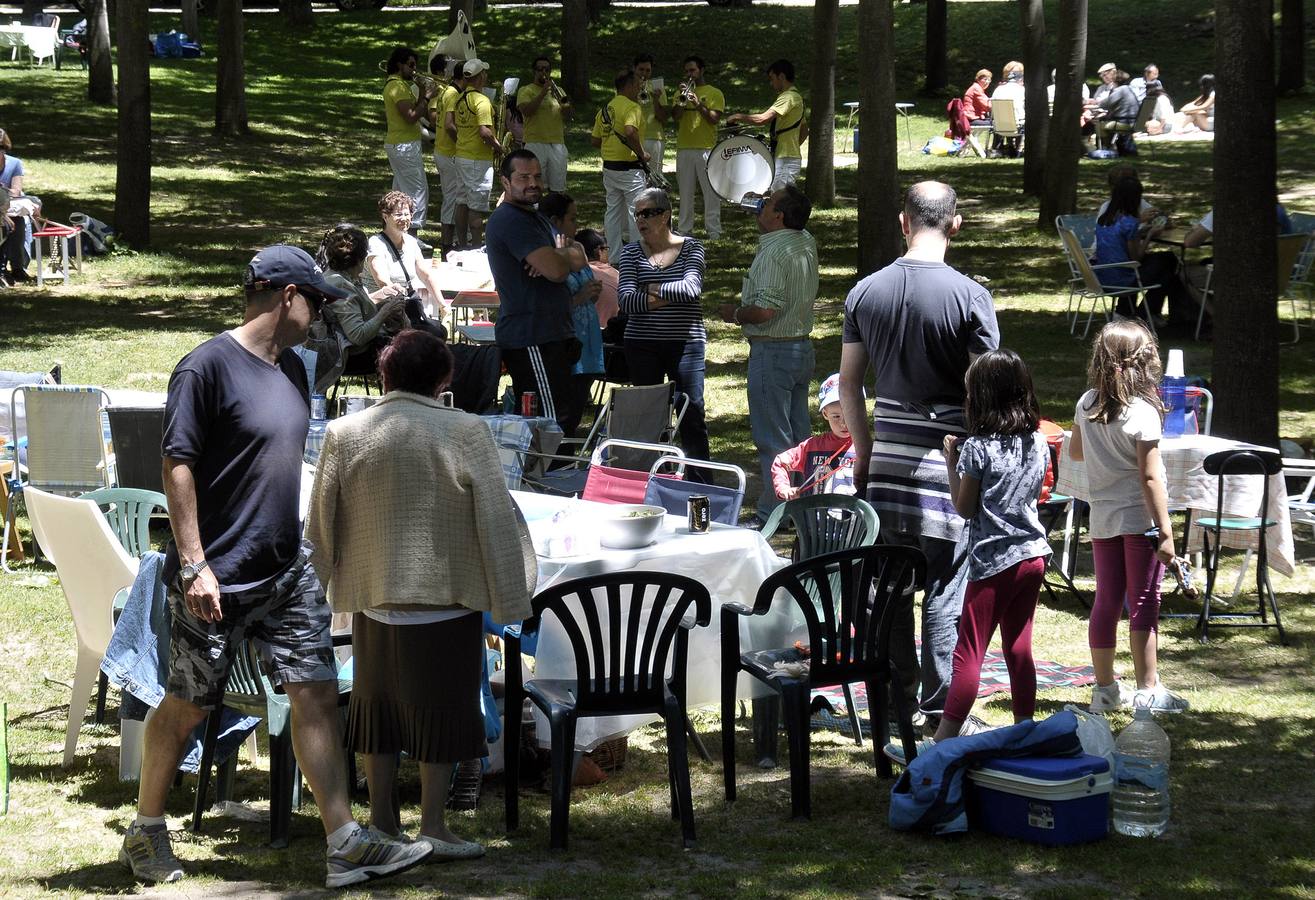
(700,514)
(529,404)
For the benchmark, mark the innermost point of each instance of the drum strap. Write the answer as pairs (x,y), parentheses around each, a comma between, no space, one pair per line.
(774,133)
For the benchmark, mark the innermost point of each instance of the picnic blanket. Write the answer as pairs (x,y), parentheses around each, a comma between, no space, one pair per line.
(995,677)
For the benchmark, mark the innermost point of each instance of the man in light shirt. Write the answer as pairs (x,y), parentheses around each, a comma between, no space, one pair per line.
(697,115)
(545,111)
(786,118)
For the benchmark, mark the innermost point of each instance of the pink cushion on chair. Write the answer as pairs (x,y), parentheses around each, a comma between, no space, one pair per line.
(606,484)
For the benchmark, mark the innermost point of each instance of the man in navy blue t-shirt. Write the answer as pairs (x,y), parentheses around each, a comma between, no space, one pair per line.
(237,569)
(529,272)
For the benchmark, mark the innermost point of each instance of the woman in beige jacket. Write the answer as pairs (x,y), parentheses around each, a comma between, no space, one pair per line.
(416,535)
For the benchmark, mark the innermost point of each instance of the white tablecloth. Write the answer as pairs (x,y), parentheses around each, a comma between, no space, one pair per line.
(1189,487)
(731,562)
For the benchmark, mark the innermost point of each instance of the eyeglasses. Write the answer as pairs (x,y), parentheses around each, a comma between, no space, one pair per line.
(649,213)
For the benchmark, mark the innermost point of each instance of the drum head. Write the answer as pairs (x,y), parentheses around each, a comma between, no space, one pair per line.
(740,165)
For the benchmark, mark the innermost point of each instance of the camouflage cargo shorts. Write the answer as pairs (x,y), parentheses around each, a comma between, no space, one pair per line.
(286,620)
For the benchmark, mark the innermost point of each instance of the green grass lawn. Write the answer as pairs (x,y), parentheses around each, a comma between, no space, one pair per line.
(1242,787)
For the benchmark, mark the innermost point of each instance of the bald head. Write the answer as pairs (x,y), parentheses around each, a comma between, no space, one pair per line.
(930,206)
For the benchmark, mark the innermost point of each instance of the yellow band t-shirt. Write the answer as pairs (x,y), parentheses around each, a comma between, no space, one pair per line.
(693,132)
(545,126)
(473,109)
(789,109)
(652,130)
(441,104)
(399,129)
(623,112)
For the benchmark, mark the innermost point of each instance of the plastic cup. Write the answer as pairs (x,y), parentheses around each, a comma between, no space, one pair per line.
(1174,368)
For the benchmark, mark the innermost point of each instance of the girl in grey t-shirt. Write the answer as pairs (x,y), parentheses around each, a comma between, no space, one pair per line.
(995,479)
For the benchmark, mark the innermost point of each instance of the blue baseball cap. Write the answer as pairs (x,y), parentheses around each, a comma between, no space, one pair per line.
(281,265)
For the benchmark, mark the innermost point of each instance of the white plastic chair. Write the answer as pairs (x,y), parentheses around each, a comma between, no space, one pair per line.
(93,567)
(42,43)
(1091,285)
(1300,477)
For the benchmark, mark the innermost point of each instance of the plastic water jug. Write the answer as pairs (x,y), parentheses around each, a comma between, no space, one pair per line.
(1174,391)
(1141,778)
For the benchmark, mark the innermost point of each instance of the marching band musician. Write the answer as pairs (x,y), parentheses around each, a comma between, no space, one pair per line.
(405,103)
(618,131)
(788,128)
(476,146)
(698,109)
(544,108)
(653,101)
(445,148)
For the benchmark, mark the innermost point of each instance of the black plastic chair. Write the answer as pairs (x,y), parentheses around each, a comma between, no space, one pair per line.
(850,600)
(1254,462)
(621,669)
(823,523)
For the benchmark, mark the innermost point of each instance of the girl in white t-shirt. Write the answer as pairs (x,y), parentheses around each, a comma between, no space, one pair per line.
(1116,432)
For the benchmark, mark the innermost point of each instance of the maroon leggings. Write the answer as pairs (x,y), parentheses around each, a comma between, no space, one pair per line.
(1008,600)
(1126,566)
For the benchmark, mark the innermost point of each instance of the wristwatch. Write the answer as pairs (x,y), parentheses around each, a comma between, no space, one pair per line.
(192,571)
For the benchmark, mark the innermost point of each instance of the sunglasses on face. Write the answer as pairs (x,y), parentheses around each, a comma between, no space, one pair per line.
(649,213)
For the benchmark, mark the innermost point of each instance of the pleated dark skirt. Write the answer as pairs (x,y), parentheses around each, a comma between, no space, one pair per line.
(417,689)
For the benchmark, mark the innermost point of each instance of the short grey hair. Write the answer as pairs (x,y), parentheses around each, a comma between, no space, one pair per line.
(656,197)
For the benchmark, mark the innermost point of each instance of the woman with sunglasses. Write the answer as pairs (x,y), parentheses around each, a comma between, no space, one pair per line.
(660,289)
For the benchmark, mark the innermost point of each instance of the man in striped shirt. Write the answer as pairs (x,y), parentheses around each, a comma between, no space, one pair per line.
(918,323)
(776,314)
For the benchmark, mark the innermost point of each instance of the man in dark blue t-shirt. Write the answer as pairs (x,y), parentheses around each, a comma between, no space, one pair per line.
(529,272)
(237,569)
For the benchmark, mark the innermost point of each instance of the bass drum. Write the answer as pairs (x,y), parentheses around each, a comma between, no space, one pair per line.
(740,165)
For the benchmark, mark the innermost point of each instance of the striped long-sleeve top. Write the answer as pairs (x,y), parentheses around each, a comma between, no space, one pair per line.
(681,283)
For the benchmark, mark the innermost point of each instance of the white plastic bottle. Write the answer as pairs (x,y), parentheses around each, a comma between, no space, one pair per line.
(1141,779)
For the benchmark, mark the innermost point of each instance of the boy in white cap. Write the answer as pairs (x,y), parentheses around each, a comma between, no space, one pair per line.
(825,460)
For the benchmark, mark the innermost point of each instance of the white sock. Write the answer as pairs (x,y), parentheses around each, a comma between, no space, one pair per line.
(144,821)
(342,837)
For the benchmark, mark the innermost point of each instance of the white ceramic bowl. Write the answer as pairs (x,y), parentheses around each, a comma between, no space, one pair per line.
(629,526)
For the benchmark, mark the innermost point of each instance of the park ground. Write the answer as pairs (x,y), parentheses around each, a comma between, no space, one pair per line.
(1241,775)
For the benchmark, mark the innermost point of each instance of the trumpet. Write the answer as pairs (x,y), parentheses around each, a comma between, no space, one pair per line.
(687,95)
(557,93)
(427,83)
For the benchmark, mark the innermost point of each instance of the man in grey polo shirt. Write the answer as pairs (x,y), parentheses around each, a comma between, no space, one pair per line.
(776,314)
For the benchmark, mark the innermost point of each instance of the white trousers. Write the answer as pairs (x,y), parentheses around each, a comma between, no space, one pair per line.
(786,171)
(552,161)
(449,180)
(622,187)
(654,150)
(692,170)
(408,163)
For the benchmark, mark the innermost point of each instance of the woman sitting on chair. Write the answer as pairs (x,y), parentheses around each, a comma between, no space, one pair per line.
(394,258)
(415,539)
(368,321)
(15,216)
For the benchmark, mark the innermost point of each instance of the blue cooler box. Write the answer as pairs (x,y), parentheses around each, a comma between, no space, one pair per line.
(1044,799)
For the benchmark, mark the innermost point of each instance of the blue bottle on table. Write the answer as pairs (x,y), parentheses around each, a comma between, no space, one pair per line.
(1174,391)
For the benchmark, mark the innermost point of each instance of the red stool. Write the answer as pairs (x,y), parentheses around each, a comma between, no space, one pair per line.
(60,233)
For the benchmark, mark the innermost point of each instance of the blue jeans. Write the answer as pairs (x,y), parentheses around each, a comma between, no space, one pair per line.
(780,373)
(653,362)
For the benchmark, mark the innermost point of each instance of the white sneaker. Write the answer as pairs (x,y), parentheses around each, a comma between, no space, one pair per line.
(1159,699)
(894,751)
(371,854)
(147,854)
(1108,697)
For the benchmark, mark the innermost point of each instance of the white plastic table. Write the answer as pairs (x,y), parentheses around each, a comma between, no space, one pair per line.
(731,562)
(901,108)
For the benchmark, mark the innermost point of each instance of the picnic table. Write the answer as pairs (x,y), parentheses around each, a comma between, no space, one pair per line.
(1190,488)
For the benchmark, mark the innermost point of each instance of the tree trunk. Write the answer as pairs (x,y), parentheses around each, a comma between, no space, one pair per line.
(1292,48)
(879,239)
(230,81)
(191,18)
(100,78)
(298,13)
(821,182)
(937,40)
(1036,105)
(466,6)
(1245,279)
(1064,139)
(596,8)
(132,185)
(575,50)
